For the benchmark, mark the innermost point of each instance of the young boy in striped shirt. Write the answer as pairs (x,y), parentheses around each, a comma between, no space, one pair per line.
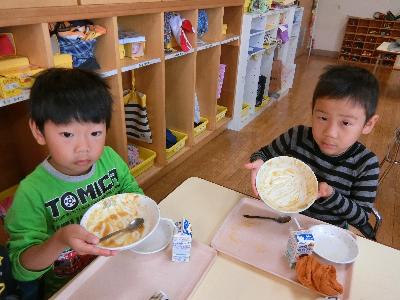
(344,105)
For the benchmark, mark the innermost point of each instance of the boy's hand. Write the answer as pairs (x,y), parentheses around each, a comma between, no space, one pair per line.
(324,190)
(81,240)
(254,167)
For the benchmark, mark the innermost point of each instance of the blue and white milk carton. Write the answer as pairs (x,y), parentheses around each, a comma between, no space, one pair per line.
(300,243)
(182,241)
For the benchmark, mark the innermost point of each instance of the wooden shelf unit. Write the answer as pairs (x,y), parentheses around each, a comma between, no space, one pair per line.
(363,36)
(169,84)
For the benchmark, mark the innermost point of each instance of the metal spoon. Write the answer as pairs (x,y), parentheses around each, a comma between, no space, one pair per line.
(136,223)
(280,219)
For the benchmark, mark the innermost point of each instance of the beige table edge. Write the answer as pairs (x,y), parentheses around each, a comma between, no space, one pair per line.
(205,204)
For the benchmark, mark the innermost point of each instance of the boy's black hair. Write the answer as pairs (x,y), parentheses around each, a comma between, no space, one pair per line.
(64,95)
(348,82)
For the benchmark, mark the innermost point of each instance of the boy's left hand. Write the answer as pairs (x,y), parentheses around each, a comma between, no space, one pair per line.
(324,190)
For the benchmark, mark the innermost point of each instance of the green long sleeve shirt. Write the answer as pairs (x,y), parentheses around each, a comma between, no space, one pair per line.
(47,200)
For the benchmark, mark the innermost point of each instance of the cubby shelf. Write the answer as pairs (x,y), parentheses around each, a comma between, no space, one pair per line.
(256,59)
(366,35)
(169,81)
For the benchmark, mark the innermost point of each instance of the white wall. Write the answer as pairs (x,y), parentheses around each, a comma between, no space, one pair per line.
(332,18)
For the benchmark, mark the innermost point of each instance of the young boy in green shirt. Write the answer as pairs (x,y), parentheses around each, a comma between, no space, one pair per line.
(70,113)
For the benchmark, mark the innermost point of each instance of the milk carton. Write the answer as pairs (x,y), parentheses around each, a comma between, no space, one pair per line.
(300,243)
(182,241)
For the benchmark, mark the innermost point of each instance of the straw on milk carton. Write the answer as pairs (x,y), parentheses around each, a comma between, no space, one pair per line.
(182,241)
(300,243)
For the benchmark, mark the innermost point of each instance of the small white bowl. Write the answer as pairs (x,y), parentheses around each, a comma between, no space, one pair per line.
(158,240)
(334,244)
(145,207)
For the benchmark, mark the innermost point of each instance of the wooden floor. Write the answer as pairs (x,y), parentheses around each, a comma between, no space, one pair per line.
(221,161)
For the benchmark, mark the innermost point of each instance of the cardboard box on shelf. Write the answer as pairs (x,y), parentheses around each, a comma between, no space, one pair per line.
(276,76)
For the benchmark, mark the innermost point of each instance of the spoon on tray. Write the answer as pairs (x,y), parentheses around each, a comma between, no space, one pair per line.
(136,223)
(280,219)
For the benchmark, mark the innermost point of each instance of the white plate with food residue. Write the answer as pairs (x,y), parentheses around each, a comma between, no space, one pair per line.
(334,244)
(115,213)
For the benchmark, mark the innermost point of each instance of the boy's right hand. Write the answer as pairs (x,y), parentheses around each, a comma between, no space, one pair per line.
(254,167)
(81,240)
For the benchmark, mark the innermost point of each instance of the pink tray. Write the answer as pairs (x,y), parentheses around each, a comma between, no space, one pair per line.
(262,243)
(138,276)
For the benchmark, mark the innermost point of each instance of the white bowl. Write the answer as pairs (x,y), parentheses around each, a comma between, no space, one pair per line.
(124,208)
(286,184)
(158,240)
(334,244)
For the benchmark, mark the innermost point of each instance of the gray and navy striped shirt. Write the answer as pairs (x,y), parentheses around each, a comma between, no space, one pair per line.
(353,175)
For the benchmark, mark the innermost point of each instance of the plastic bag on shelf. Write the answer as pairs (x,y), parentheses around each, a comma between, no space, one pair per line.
(258,6)
(283,33)
(196,110)
(221,76)
(133,156)
(78,38)
(202,23)
(180,27)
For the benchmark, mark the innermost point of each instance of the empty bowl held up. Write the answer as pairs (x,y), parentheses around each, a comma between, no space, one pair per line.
(286,184)
(116,212)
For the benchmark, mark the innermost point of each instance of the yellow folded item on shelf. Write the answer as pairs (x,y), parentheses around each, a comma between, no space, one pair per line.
(8,62)
(23,74)
(9,87)
(224,28)
(121,51)
(63,60)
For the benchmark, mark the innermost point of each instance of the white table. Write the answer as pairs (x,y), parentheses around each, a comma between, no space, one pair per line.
(383,49)
(376,271)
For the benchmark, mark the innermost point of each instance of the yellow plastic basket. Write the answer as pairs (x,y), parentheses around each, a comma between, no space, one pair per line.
(245,110)
(221,112)
(8,192)
(181,140)
(147,156)
(201,127)
(265,101)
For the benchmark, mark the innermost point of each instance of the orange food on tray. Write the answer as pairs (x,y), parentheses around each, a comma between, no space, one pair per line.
(320,277)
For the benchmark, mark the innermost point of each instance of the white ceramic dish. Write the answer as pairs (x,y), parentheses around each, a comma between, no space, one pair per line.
(334,244)
(286,184)
(158,240)
(131,205)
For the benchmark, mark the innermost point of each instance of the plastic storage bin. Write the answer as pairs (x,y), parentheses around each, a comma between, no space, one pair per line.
(147,156)
(221,112)
(201,127)
(265,101)
(181,137)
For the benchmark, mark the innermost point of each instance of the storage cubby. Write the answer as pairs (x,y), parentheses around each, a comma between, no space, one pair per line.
(18,156)
(368,35)
(149,81)
(168,80)
(179,94)
(233,20)
(214,32)
(229,57)
(207,69)
(149,25)
(190,15)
